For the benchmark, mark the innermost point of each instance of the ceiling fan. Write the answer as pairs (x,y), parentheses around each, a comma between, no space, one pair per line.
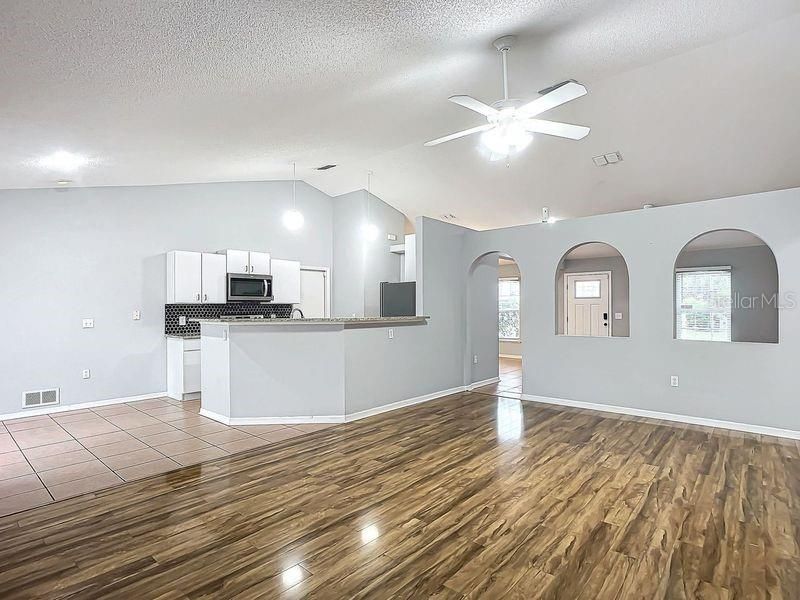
(511,123)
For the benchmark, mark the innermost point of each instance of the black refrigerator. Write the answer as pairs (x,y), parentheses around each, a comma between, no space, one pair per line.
(399,299)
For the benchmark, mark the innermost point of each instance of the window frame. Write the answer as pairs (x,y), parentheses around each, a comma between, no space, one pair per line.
(675,303)
(518,279)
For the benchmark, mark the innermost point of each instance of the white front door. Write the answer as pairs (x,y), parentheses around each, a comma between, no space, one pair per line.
(588,302)
(313,294)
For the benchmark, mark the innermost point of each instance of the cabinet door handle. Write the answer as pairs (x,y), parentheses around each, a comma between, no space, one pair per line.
(205,296)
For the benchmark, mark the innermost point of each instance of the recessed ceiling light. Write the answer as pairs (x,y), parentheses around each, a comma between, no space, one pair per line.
(63,181)
(62,161)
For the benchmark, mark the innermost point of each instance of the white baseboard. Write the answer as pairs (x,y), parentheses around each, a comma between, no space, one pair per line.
(478,384)
(233,421)
(511,356)
(46,410)
(329,418)
(676,418)
(402,403)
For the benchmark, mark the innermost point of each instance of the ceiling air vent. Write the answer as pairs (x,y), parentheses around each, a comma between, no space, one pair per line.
(40,398)
(325,167)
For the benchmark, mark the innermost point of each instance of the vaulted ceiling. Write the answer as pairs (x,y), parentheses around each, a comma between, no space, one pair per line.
(700,98)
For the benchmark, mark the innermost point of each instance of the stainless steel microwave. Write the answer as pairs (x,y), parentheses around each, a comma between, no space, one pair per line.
(257,288)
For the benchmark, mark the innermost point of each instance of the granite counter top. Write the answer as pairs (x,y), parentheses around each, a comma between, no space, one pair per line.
(334,321)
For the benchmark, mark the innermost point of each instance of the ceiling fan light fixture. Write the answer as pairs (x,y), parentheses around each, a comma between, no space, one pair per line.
(506,139)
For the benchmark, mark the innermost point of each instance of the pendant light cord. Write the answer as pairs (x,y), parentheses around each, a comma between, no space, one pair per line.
(294,185)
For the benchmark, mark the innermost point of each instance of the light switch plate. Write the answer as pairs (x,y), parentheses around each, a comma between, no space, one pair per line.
(137,315)
(86,374)
(88,323)
(618,316)
(391,333)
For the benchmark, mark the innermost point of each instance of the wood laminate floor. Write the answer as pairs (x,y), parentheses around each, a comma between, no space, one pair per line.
(469,496)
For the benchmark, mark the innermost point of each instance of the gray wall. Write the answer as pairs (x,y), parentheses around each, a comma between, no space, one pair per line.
(745,383)
(99,252)
(482,307)
(361,264)
(619,289)
(753,273)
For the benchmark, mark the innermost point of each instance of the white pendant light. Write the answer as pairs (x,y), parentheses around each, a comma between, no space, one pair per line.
(369,230)
(293,219)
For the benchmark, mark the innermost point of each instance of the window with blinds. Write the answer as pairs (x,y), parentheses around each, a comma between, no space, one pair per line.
(703,304)
(508,307)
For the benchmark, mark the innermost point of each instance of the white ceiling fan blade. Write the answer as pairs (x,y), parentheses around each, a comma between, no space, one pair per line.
(568,91)
(459,134)
(472,104)
(565,130)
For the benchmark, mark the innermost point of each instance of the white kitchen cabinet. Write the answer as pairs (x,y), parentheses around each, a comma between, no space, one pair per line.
(244,261)
(238,261)
(286,281)
(214,278)
(260,263)
(183,368)
(196,277)
(184,277)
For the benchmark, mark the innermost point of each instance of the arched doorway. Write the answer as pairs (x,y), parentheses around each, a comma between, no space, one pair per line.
(494,325)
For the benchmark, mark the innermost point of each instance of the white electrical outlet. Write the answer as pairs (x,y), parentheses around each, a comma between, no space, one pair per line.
(391,333)
(88,323)
(673,381)
(617,316)
(475,359)
(86,374)
(182,320)
(137,315)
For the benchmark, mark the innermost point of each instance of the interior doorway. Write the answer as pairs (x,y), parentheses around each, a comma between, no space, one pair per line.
(495,326)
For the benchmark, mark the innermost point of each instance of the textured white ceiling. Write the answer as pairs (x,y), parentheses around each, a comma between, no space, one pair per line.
(699,96)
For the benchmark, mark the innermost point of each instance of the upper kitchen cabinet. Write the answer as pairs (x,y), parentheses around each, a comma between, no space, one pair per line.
(285,281)
(244,261)
(214,277)
(194,277)
(184,277)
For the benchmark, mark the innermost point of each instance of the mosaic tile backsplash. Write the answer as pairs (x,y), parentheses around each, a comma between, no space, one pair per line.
(214,311)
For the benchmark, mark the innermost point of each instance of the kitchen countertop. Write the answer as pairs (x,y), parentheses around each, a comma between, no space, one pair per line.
(334,321)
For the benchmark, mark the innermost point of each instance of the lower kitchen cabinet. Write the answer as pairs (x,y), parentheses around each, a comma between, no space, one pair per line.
(183,368)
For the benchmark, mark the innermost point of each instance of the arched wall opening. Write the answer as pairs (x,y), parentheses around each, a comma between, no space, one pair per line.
(726,289)
(592,292)
(494,313)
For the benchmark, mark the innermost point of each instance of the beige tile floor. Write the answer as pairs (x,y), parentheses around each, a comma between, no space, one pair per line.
(52,457)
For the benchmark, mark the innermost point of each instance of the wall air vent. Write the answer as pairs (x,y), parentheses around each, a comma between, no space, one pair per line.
(325,167)
(40,398)
(449,217)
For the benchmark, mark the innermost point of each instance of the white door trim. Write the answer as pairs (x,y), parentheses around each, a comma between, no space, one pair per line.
(610,299)
(327,274)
